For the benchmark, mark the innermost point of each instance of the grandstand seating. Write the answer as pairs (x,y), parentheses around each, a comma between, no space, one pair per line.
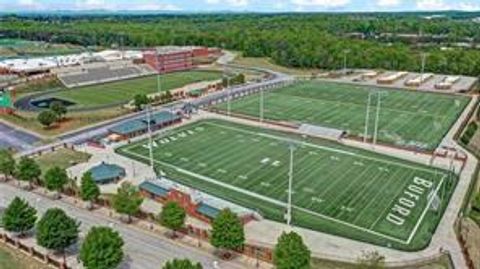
(95,74)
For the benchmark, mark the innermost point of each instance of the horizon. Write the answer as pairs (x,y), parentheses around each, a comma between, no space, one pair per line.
(238,6)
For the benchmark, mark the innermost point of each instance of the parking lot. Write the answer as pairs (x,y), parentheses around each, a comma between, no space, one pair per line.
(11,138)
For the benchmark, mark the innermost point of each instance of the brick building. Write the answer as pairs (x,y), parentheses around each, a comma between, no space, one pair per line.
(171,59)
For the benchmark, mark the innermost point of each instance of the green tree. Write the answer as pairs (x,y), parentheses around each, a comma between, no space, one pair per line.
(291,253)
(19,216)
(56,230)
(181,264)
(140,100)
(173,216)
(55,178)
(371,260)
(7,163)
(127,200)
(28,170)
(89,190)
(59,109)
(227,231)
(47,118)
(102,249)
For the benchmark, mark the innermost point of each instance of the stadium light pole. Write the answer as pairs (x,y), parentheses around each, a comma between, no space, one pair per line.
(291,147)
(345,54)
(367,117)
(228,89)
(150,142)
(377,117)
(262,105)
(159,85)
(424,62)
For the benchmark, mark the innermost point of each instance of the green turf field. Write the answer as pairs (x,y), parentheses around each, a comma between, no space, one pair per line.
(123,91)
(336,189)
(406,118)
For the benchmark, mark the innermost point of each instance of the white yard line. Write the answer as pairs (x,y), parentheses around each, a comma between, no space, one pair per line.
(344,152)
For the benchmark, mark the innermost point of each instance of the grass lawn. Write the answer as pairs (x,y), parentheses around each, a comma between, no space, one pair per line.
(63,158)
(10,47)
(336,189)
(73,121)
(14,259)
(406,118)
(124,91)
(269,64)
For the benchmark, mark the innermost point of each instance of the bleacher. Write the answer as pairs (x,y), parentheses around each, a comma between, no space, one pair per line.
(95,74)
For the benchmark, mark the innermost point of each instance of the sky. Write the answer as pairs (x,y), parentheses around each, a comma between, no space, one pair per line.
(240,5)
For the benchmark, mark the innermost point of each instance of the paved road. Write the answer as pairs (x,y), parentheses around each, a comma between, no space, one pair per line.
(143,250)
(11,137)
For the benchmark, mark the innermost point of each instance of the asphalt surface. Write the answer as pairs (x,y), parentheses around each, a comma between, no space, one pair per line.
(143,250)
(15,138)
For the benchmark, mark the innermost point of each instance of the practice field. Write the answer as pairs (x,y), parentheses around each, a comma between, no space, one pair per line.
(123,91)
(336,189)
(406,118)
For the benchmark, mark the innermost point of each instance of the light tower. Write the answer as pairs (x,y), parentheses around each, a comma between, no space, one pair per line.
(150,140)
(291,147)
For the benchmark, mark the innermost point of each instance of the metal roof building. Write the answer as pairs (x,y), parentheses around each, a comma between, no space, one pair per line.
(139,126)
(105,173)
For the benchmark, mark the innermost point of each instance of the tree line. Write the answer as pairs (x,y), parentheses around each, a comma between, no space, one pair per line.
(293,40)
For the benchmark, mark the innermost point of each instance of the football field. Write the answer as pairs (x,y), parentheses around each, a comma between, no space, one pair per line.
(405,118)
(336,189)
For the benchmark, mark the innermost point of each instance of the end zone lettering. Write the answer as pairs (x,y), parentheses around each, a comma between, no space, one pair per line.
(410,196)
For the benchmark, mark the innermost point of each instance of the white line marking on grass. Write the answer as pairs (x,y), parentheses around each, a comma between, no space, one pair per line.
(222,171)
(184,159)
(243,177)
(265,160)
(317,200)
(265,184)
(429,204)
(344,152)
